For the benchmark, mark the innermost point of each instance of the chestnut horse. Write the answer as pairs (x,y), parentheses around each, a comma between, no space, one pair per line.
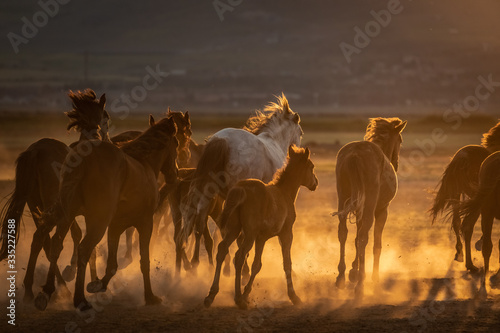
(114,188)
(366,184)
(258,212)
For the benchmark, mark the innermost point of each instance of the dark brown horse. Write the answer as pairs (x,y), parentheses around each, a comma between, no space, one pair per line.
(114,188)
(486,202)
(366,184)
(258,212)
(37,180)
(460,181)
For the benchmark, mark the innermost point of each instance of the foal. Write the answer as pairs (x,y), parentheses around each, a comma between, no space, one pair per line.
(260,211)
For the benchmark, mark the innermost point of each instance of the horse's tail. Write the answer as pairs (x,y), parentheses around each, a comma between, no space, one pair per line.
(235,198)
(13,210)
(355,204)
(453,184)
(473,206)
(210,179)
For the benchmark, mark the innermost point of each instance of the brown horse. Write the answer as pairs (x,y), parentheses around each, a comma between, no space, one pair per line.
(366,184)
(114,188)
(460,181)
(260,211)
(486,203)
(37,180)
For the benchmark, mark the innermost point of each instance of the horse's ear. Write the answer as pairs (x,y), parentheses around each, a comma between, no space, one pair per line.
(169,112)
(151,120)
(106,115)
(102,100)
(401,126)
(308,152)
(172,128)
(186,116)
(296,118)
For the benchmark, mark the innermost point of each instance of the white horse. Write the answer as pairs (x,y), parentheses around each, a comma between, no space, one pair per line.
(256,151)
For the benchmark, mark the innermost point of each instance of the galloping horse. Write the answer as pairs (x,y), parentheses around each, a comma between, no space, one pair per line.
(114,188)
(366,184)
(37,180)
(460,180)
(486,203)
(258,212)
(257,151)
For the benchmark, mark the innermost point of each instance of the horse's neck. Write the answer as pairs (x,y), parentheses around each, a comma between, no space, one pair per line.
(277,148)
(289,185)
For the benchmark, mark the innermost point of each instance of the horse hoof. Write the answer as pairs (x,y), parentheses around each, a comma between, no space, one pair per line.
(296,300)
(495,281)
(340,283)
(153,300)
(41,301)
(473,270)
(479,245)
(208,301)
(83,306)
(95,287)
(353,275)
(69,273)
(459,257)
(241,303)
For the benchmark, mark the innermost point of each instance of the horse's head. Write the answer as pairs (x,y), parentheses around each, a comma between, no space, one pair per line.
(386,133)
(167,130)
(290,121)
(183,123)
(88,115)
(300,164)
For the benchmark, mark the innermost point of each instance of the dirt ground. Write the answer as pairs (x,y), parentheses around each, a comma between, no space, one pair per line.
(421,289)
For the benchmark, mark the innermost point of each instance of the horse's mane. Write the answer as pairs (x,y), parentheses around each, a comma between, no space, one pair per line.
(86,107)
(282,173)
(262,119)
(378,129)
(491,139)
(153,139)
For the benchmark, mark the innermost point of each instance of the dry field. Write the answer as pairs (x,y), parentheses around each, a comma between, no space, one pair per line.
(421,289)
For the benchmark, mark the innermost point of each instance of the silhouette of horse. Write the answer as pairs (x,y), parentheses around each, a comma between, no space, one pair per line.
(183,123)
(230,155)
(260,211)
(486,202)
(366,184)
(37,181)
(460,181)
(120,195)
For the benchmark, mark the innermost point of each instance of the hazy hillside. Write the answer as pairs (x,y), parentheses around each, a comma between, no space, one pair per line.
(429,55)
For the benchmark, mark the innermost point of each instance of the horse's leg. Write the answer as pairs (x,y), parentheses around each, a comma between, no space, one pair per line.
(486,227)
(342,233)
(36,246)
(227,265)
(245,272)
(222,251)
(467,228)
(76,234)
(380,219)
(256,266)
(286,239)
(129,234)
(239,260)
(456,222)
(353,272)
(495,278)
(56,246)
(209,245)
(365,225)
(93,265)
(178,239)
(114,232)
(145,230)
(195,261)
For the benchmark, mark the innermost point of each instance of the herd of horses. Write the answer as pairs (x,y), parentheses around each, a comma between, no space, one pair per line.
(246,180)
